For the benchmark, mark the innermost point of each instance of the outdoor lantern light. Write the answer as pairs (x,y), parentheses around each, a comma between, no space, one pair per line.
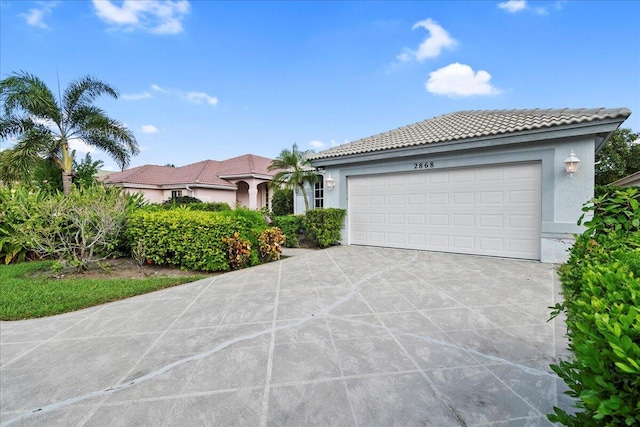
(330,182)
(571,164)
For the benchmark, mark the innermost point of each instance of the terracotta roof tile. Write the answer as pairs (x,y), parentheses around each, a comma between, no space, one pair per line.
(472,124)
(206,172)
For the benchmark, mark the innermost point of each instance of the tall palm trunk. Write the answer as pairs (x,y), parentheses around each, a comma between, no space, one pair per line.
(306,199)
(66,182)
(67,166)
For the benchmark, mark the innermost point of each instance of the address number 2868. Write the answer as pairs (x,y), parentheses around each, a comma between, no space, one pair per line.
(423,165)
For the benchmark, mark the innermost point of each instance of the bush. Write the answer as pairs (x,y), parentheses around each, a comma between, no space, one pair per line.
(601,287)
(182,238)
(239,250)
(15,205)
(182,200)
(250,223)
(199,206)
(271,241)
(323,225)
(78,228)
(616,211)
(291,226)
(282,202)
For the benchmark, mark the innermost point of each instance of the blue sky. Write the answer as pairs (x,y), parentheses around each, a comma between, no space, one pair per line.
(214,80)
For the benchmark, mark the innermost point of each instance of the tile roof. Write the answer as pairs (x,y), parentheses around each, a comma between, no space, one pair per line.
(208,172)
(472,124)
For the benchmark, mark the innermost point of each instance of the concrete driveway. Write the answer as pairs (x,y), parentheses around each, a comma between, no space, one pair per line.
(348,336)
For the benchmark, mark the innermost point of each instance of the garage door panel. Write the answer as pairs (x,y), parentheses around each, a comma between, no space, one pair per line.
(490,197)
(492,210)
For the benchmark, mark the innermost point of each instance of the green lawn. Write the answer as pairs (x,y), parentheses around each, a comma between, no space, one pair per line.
(26,294)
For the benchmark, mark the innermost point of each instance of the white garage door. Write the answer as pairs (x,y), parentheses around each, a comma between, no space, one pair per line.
(489,210)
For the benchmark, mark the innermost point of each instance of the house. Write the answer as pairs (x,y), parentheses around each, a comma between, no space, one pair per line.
(472,182)
(242,180)
(632,180)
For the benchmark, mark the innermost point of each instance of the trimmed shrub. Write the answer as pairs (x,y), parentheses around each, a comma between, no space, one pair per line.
(182,200)
(601,287)
(291,226)
(271,241)
(199,206)
(282,202)
(323,226)
(250,223)
(183,238)
(239,250)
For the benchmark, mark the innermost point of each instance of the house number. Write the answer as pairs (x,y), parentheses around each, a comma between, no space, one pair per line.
(423,165)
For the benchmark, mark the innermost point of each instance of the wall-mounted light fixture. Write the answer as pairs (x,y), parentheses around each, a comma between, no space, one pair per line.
(571,164)
(331,183)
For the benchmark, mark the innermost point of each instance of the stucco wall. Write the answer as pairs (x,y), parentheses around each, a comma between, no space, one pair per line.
(562,195)
(151,196)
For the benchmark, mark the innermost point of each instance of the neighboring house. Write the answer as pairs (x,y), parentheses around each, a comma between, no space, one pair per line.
(472,182)
(242,180)
(632,180)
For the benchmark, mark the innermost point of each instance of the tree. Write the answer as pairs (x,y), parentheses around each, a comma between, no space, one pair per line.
(293,171)
(619,157)
(86,171)
(44,124)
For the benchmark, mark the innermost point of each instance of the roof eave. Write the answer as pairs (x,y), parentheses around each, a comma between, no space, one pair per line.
(173,186)
(247,175)
(601,127)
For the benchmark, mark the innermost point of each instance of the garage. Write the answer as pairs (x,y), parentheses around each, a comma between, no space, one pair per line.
(490,210)
(503,183)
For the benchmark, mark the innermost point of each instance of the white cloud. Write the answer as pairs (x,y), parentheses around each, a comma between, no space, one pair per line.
(431,47)
(317,144)
(154,16)
(136,96)
(513,6)
(158,88)
(199,97)
(35,17)
(149,129)
(458,80)
(194,97)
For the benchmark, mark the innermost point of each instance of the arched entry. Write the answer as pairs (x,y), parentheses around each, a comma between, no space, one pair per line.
(264,198)
(242,194)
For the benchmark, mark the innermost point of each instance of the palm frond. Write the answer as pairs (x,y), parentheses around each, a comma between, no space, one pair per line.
(26,93)
(82,93)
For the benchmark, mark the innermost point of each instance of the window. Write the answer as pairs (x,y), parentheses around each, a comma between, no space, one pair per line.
(176,193)
(266,196)
(318,192)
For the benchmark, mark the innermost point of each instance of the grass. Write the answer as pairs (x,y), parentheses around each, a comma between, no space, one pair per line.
(27,291)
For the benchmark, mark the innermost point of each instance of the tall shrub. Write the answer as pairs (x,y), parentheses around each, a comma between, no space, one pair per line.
(15,205)
(601,287)
(85,226)
(282,202)
(323,225)
(290,226)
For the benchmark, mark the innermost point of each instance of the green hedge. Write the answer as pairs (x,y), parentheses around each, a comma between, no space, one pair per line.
(193,239)
(323,226)
(601,287)
(290,225)
(189,239)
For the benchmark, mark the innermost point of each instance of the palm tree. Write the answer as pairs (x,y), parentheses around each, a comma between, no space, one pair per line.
(294,169)
(45,125)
